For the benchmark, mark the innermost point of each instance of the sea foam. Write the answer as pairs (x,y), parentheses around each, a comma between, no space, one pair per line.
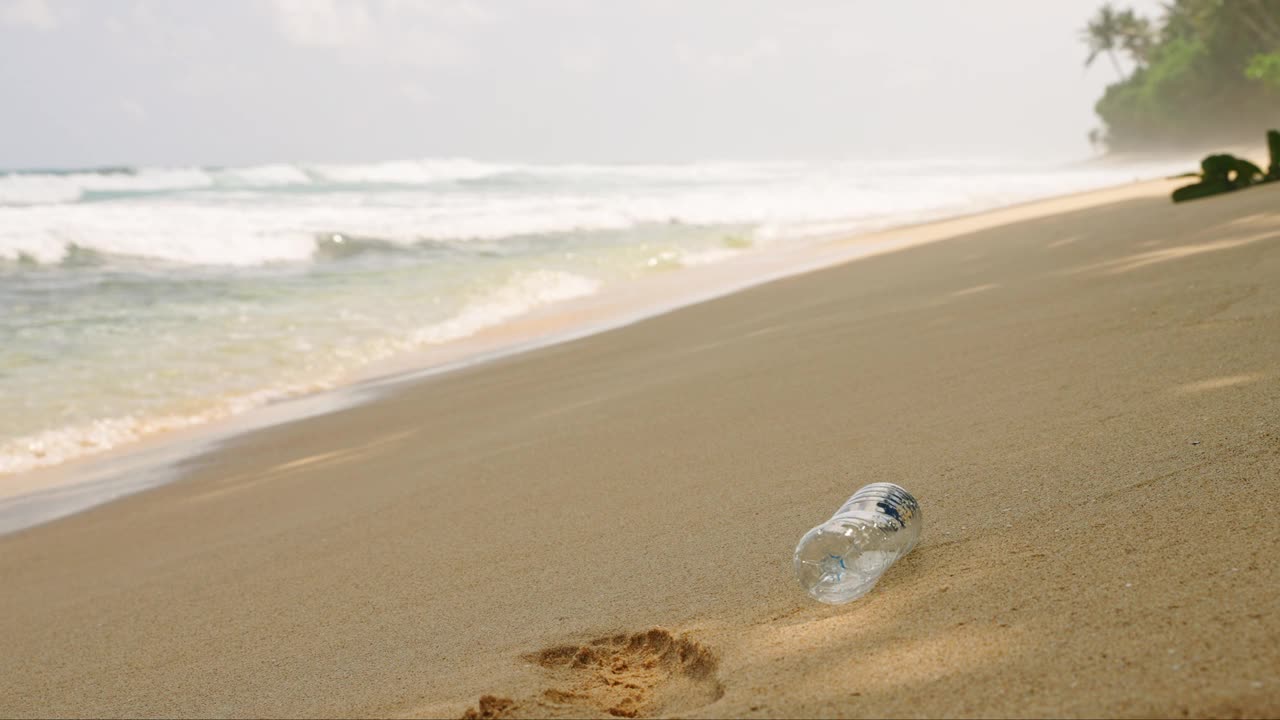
(135,301)
(520,294)
(258,215)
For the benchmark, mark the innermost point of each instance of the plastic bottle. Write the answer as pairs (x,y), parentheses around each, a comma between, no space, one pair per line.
(843,558)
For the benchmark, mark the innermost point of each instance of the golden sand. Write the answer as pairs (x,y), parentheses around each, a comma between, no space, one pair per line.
(1083,394)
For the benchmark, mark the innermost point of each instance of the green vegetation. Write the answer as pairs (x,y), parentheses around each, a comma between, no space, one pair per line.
(1206,71)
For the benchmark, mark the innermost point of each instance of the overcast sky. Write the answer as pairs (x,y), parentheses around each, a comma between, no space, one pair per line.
(176,82)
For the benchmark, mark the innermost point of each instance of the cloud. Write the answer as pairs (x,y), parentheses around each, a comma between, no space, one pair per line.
(324,23)
(133,110)
(453,12)
(582,60)
(398,31)
(416,94)
(38,14)
(739,59)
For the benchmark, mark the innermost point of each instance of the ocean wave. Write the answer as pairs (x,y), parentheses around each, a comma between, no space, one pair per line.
(245,228)
(263,176)
(189,235)
(244,237)
(59,445)
(451,174)
(521,293)
(63,187)
(339,246)
(409,172)
(378,260)
(58,188)
(38,189)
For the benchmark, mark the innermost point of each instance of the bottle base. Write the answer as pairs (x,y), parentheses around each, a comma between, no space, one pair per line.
(835,566)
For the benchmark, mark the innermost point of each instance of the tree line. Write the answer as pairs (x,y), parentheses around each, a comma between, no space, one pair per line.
(1204,71)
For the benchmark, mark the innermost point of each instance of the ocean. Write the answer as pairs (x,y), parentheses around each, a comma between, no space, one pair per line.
(135,301)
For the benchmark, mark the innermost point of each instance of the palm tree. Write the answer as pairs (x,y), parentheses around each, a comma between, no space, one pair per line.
(1187,19)
(1259,17)
(1135,36)
(1103,34)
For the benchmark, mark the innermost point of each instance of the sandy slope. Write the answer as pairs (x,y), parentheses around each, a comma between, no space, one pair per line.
(1084,397)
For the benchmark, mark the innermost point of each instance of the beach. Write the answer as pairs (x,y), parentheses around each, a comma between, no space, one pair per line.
(1082,393)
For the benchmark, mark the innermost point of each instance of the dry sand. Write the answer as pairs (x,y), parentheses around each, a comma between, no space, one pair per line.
(1084,396)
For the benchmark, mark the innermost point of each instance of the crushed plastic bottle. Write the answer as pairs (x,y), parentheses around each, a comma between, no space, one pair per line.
(843,558)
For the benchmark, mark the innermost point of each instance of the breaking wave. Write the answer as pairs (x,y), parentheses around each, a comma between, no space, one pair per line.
(519,295)
(139,300)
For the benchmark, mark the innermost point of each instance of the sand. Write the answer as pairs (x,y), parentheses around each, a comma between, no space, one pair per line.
(1083,394)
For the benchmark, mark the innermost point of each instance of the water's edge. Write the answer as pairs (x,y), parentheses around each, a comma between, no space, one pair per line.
(48,494)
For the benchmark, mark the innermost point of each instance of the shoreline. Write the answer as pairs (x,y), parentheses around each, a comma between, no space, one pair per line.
(48,493)
(1081,397)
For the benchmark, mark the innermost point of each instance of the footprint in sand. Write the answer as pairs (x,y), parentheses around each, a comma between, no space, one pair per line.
(628,675)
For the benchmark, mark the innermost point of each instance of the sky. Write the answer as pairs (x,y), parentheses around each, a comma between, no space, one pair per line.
(235,82)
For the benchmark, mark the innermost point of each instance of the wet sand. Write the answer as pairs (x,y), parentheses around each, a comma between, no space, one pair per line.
(1082,393)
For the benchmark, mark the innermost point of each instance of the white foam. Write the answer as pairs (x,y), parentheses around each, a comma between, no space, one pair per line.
(145,180)
(177,233)
(522,293)
(51,188)
(229,229)
(235,218)
(58,445)
(410,172)
(259,176)
(37,189)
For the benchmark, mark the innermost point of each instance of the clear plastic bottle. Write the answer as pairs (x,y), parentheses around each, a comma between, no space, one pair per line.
(844,557)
